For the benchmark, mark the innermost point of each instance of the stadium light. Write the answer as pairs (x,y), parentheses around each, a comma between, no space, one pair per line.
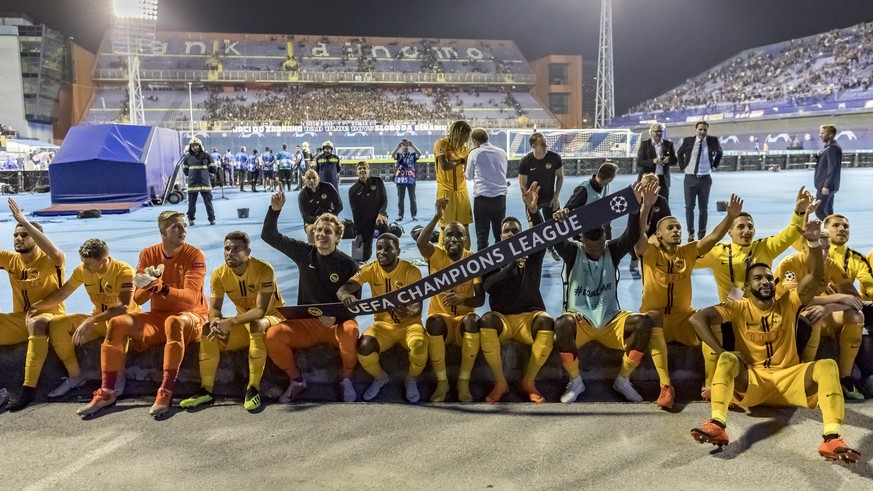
(136,9)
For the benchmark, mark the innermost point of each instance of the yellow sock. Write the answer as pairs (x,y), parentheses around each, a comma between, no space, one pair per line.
(210,354)
(658,349)
(722,385)
(629,362)
(370,364)
(469,352)
(436,348)
(417,355)
(709,357)
(811,348)
(257,359)
(830,395)
(37,350)
(850,342)
(490,344)
(539,353)
(62,343)
(570,364)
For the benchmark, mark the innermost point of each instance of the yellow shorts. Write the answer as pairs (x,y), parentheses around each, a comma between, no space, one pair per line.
(239,334)
(458,209)
(677,328)
(67,323)
(611,335)
(518,326)
(784,387)
(13,328)
(387,334)
(454,332)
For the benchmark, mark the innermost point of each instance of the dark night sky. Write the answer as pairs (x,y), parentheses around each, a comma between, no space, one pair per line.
(658,43)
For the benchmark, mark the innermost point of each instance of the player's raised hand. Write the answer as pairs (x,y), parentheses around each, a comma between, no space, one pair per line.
(802,201)
(650,194)
(277,201)
(441,205)
(531,196)
(17,214)
(735,206)
(812,230)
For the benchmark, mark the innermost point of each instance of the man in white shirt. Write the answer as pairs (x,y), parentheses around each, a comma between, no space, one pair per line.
(698,156)
(486,166)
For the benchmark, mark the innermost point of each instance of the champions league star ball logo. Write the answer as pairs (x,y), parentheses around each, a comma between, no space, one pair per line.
(790,276)
(618,204)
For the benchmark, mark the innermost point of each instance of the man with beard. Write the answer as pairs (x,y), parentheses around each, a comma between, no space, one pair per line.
(368,200)
(451,317)
(765,369)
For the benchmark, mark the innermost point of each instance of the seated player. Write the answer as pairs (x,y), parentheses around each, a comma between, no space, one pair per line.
(835,311)
(322,269)
(728,261)
(109,284)
(451,317)
(667,266)
(250,283)
(517,309)
(592,311)
(401,324)
(765,369)
(35,268)
(170,276)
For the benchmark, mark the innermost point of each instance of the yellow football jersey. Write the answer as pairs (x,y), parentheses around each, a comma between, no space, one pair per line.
(103,290)
(450,180)
(440,260)
(667,279)
(856,266)
(381,283)
(766,338)
(33,281)
(243,290)
(793,268)
(729,261)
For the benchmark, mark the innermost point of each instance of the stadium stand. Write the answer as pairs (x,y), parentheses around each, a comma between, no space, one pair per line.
(824,72)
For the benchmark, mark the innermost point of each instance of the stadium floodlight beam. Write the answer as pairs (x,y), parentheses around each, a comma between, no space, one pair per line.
(604,105)
(133,35)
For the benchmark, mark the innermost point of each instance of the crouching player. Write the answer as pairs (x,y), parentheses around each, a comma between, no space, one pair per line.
(250,284)
(765,369)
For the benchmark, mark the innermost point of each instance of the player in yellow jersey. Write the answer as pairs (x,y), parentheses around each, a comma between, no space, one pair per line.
(765,370)
(835,311)
(250,284)
(451,154)
(729,260)
(667,266)
(401,324)
(451,317)
(35,268)
(109,284)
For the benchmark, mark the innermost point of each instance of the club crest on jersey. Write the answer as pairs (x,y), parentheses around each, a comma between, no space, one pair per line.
(679,264)
(250,288)
(373,187)
(315,312)
(324,196)
(334,277)
(548,165)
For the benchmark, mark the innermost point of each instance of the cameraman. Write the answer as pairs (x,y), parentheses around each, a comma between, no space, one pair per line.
(404,175)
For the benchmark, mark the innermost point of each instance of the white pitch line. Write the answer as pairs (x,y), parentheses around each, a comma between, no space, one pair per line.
(54,480)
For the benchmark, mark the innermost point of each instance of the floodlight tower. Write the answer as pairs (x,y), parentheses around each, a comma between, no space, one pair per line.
(133,35)
(604,106)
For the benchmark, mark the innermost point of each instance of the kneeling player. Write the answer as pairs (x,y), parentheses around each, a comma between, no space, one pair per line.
(250,284)
(170,275)
(765,369)
(109,284)
(454,312)
(591,300)
(400,324)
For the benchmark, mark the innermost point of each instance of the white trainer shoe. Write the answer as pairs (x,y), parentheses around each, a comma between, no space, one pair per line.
(349,394)
(67,385)
(625,388)
(412,394)
(574,389)
(294,390)
(375,387)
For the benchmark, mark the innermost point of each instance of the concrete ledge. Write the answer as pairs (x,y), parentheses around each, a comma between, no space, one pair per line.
(320,365)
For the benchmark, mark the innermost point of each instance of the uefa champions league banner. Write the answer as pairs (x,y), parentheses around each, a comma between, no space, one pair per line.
(503,252)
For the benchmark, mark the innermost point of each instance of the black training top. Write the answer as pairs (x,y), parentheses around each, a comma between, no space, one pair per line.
(543,172)
(325,199)
(368,200)
(516,290)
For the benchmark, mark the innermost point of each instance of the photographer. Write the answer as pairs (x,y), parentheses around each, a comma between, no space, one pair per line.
(404,175)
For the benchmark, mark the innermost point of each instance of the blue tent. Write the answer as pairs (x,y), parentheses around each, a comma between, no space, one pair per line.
(112,168)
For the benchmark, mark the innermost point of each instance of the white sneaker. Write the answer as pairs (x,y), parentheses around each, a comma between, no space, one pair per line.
(67,385)
(574,389)
(349,394)
(294,390)
(412,394)
(625,388)
(375,387)
(120,382)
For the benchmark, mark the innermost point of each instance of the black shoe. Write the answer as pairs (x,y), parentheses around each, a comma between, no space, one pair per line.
(22,399)
(400,218)
(690,236)
(211,222)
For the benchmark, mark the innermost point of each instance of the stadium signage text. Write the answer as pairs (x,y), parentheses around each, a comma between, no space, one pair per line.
(524,244)
(340,127)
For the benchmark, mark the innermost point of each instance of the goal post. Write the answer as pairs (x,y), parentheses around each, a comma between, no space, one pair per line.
(575,143)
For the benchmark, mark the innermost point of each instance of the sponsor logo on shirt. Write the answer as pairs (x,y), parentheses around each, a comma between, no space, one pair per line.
(199,265)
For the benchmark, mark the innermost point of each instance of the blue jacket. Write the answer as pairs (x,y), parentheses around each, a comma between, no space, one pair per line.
(827,168)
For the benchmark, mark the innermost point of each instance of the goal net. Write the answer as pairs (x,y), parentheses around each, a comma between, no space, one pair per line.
(580,143)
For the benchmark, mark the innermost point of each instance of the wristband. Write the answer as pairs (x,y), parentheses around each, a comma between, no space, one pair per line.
(813,245)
